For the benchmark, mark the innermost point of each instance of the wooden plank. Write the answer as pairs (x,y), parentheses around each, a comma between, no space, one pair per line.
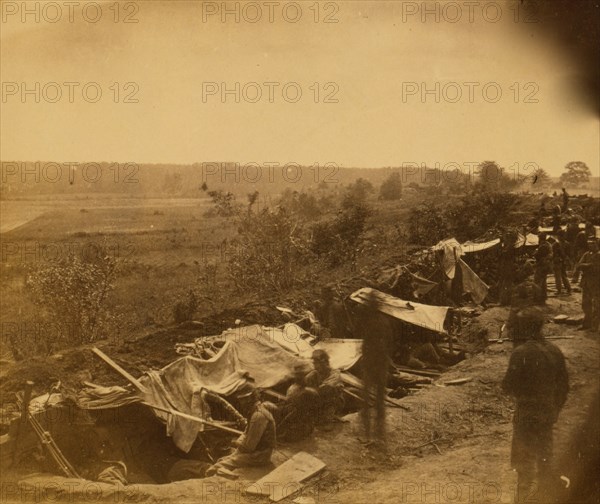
(134,381)
(355,382)
(287,479)
(419,372)
(193,418)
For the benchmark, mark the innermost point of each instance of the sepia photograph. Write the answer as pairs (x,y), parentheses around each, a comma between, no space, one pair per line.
(300,252)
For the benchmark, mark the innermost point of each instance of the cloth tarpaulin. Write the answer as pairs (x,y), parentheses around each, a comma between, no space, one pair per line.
(427,316)
(343,353)
(531,240)
(470,247)
(472,284)
(98,397)
(420,286)
(267,354)
(451,250)
(247,351)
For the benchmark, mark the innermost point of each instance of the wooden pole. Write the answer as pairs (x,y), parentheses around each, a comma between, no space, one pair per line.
(134,381)
(193,418)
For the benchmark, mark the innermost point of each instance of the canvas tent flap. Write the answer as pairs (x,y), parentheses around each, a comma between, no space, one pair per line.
(343,353)
(470,247)
(98,397)
(531,240)
(472,284)
(427,316)
(451,250)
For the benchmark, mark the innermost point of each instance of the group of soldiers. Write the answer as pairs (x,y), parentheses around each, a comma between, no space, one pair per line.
(536,376)
(313,398)
(556,254)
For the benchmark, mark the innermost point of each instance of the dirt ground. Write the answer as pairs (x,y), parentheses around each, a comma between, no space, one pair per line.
(472,422)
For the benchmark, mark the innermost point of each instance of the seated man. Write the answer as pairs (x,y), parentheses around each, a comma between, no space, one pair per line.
(328,383)
(296,416)
(255,446)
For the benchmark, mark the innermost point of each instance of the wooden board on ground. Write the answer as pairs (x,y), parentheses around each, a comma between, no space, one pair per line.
(287,479)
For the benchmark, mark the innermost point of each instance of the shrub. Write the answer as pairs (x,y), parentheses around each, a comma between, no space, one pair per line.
(339,239)
(391,188)
(427,224)
(267,252)
(186,308)
(72,296)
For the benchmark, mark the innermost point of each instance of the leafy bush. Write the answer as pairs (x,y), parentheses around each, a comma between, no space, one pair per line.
(479,211)
(186,308)
(225,204)
(356,194)
(391,188)
(427,224)
(493,178)
(303,204)
(339,239)
(72,295)
(268,251)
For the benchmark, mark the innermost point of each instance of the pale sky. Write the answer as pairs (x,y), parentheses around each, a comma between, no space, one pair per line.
(371,54)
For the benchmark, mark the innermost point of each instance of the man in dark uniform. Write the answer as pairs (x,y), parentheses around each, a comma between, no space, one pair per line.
(559,262)
(570,237)
(377,333)
(565,200)
(331,314)
(589,265)
(298,413)
(581,247)
(543,265)
(537,378)
(328,384)
(508,261)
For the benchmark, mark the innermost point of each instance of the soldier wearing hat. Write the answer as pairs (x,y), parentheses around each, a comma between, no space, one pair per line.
(537,378)
(255,446)
(589,265)
(543,265)
(328,383)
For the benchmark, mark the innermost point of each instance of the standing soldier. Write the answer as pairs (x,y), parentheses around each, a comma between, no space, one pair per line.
(537,378)
(543,261)
(377,332)
(570,237)
(589,265)
(581,247)
(565,200)
(559,261)
(508,264)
